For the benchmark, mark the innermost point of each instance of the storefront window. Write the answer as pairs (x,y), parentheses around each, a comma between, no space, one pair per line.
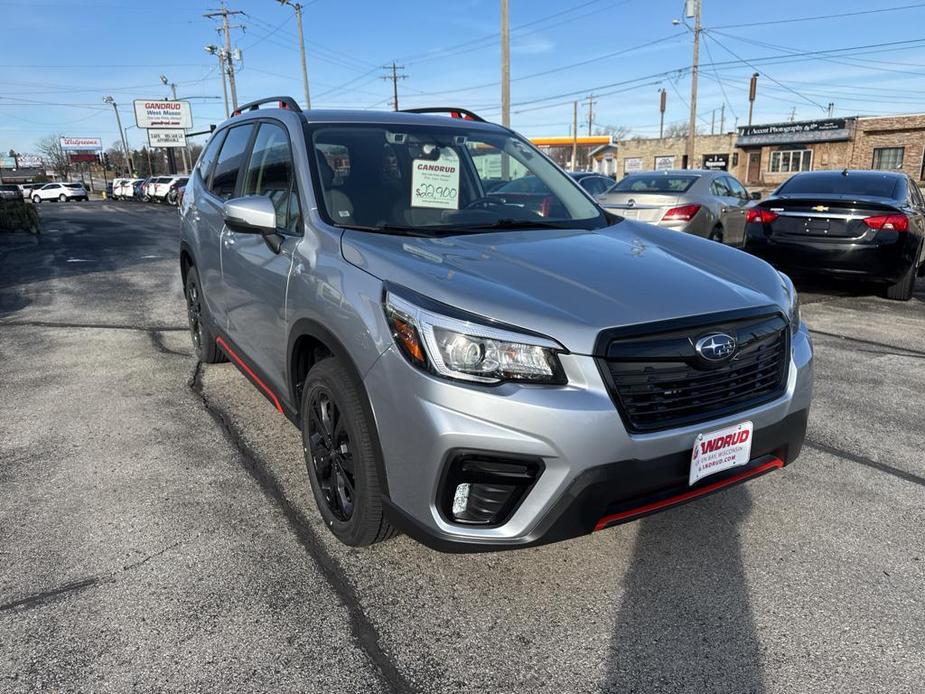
(791,160)
(888,157)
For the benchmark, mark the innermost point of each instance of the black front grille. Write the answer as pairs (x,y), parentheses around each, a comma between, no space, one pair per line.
(658,380)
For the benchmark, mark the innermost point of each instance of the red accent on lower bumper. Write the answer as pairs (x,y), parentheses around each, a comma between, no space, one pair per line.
(247,370)
(606,521)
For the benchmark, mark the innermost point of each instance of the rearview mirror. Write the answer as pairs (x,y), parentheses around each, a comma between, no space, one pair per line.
(253,214)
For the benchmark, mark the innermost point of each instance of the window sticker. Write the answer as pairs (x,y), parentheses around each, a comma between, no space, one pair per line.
(435,182)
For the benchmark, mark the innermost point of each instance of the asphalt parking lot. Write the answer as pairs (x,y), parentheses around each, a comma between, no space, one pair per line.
(157,531)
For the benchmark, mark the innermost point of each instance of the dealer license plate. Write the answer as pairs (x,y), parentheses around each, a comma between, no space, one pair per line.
(720,450)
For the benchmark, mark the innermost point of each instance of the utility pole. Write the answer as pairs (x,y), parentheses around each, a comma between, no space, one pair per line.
(793,114)
(752,92)
(662,102)
(505,65)
(695,66)
(225,13)
(128,154)
(722,119)
(713,122)
(394,76)
(590,112)
(831,109)
(574,136)
(298,20)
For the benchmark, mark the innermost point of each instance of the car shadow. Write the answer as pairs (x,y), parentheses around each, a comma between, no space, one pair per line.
(685,622)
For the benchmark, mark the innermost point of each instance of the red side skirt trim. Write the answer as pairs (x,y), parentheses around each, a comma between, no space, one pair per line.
(606,521)
(247,370)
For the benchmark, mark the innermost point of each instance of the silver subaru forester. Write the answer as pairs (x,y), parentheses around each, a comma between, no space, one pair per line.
(477,368)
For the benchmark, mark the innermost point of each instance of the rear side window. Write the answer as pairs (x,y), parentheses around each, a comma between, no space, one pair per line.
(853,183)
(230,161)
(655,183)
(207,158)
(269,173)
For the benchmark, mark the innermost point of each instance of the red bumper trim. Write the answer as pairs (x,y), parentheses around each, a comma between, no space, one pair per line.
(690,495)
(249,372)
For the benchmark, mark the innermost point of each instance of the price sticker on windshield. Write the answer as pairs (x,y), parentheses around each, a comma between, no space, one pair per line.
(435,183)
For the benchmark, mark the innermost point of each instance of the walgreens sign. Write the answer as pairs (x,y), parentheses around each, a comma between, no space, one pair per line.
(163,114)
(81,144)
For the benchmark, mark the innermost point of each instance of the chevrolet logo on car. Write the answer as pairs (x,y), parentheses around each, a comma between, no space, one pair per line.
(821,208)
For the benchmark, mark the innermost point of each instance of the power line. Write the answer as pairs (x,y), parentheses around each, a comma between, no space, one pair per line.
(841,15)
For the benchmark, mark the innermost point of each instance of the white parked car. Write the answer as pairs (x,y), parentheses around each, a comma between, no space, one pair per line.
(160,187)
(124,188)
(60,192)
(27,189)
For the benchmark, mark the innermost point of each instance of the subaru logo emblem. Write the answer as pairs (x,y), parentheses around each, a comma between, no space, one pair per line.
(716,346)
(631,203)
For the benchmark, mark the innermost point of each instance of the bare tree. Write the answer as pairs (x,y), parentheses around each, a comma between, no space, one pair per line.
(616,132)
(53,155)
(679,129)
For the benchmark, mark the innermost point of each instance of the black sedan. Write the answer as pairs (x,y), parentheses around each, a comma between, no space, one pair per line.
(868,225)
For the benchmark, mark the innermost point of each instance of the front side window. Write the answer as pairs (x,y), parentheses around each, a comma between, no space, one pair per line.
(230,159)
(269,173)
(441,179)
(890,158)
(719,188)
(788,161)
(738,190)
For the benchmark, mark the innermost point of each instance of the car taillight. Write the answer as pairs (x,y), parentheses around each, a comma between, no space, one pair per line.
(685,213)
(760,215)
(893,222)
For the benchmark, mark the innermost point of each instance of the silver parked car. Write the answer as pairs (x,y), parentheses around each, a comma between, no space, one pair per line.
(480,371)
(711,204)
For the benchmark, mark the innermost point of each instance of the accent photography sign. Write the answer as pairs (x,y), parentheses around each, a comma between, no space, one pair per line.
(827,130)
(163,114)
(166,138)
(81,144)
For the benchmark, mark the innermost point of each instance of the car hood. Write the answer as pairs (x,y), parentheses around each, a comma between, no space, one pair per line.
(571,284)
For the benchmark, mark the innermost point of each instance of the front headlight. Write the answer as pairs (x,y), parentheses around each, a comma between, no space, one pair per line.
(793,312)
(470,351)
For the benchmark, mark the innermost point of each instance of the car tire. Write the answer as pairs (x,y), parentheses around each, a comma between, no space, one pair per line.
(902,290)
(342,456)
(172,198)
(36,199)
(717,234)
(62,198)
(197,316)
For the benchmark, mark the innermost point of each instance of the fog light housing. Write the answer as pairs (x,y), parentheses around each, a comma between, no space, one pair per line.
(484,488)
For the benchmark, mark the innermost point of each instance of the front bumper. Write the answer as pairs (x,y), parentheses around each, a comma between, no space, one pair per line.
(592,468)
(885,258)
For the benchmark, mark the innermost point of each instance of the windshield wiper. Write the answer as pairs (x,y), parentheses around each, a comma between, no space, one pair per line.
(388,229)
(506,223)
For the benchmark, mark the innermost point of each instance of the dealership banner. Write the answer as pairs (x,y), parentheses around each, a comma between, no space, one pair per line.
(163,114)
(166,138)
(85,144)
(29,161)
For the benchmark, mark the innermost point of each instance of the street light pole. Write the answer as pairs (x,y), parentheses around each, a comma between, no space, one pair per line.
(220,54)
(183,152)
(128,154)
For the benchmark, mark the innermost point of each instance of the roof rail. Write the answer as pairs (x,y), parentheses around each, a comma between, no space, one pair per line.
(454,112)
(285,102)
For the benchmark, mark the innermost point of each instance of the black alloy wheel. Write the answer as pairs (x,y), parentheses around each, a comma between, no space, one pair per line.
(194,313)
(331,453)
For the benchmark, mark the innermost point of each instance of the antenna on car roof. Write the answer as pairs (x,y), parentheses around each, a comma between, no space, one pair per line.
(844,172)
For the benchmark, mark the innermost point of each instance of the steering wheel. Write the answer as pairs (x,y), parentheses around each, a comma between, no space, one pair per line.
(485,202)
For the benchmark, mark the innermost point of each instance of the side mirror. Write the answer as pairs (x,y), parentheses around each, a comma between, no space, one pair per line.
(756,195)
(253,214)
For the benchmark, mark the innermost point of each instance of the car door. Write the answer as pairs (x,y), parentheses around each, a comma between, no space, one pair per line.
(256,276)
(222,185)
(50,191)
(734,209)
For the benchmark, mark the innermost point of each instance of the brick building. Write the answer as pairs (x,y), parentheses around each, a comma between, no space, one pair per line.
(763,156)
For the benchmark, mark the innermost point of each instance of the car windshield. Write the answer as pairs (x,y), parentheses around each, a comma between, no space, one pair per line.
(654,183)
(436,179)
(854,183)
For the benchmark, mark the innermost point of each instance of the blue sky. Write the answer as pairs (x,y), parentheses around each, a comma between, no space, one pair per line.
(59,58)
